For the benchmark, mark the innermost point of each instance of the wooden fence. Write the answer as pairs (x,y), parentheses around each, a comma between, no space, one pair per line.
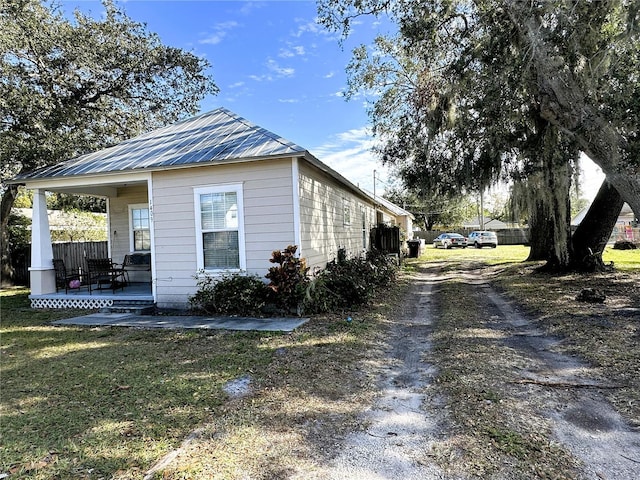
(509,236)
(520,236)
(73,254)
(385,238)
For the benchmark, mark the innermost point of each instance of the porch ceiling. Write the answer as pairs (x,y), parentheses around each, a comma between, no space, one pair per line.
(105,190)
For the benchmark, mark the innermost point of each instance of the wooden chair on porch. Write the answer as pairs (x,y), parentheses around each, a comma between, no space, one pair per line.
(63,278)
(103,273)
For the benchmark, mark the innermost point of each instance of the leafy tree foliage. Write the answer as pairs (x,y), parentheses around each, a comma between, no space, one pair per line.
(431,209)
(72,86)
(472,91)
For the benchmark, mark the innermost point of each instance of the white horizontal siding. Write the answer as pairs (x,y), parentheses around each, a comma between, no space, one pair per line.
(119,229)
(268,219)
(323,231)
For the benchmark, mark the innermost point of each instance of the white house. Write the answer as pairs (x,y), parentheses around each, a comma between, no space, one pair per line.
(209,195)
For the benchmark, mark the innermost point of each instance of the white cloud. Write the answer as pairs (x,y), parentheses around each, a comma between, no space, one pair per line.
(248,7)
(236,85)
(275,71)
(278,70)
(330,75)
(349,153)
(292,51)
(288,100)
(220,31)
(261,78)
(313,28)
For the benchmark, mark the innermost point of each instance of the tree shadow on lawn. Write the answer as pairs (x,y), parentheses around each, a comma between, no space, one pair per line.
(112,399)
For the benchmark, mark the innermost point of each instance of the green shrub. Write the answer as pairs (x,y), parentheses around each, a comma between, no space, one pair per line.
(234,294)
(288,279)
(347,283)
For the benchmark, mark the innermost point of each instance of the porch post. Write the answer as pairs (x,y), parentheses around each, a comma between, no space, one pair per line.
(43,277)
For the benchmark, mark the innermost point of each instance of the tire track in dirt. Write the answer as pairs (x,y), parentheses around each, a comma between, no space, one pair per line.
(399,431)
(408,419)
(566,391)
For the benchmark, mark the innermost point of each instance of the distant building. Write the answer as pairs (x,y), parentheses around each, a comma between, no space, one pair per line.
(489,224)
(626,227)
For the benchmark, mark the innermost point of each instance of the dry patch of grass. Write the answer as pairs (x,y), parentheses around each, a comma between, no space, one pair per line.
(495,431)
(607,335)
(98,403)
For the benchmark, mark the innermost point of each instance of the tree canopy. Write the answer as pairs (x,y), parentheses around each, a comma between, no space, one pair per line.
(472,91)
(70,86)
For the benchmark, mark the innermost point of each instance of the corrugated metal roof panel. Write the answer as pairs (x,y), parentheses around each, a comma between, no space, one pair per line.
(214,136)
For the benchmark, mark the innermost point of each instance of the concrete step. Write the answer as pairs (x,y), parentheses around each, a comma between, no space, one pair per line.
(136,307)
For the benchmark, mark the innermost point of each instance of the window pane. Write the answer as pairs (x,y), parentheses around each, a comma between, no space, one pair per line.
(221,250)
(141,240)
(140,217)
(219,210)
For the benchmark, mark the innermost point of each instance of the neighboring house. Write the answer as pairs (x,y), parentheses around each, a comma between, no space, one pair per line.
(489,224)
(213,194)
(626,217)
(626,227)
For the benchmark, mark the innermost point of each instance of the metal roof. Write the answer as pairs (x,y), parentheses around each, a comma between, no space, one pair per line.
(392,207)
(216,136)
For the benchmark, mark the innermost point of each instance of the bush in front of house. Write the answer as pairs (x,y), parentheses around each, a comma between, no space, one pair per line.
(349,282)
(235,294)
(344,283)
(289,278)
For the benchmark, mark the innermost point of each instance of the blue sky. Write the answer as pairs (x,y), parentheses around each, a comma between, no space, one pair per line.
(276,67)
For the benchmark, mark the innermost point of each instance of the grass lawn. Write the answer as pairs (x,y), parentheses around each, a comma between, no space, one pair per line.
(624,260)
(96,403)
(110,402)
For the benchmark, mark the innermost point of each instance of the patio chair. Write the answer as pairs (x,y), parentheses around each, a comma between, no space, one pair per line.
(63,279)
(136,262)
(103,273)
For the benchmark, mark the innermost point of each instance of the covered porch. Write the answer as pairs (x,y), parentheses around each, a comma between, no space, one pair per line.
(122,194)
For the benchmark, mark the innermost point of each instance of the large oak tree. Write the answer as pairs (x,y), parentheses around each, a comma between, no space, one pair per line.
(69,86)
(473,90)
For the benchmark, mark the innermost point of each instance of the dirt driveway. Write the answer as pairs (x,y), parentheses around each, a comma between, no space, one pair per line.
(544,412)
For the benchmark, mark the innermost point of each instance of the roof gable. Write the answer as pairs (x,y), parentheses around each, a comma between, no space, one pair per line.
(215,136)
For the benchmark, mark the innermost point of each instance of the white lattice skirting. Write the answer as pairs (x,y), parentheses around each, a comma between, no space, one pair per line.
(85,303)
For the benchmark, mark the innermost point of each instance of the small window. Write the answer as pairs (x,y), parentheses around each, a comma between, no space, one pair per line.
(347,212)
(219,225)
(365,234)
(140,225)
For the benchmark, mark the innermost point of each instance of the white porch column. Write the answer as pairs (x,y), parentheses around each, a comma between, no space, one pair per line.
(43,277)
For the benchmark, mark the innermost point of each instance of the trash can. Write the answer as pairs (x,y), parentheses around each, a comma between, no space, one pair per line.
(414,248)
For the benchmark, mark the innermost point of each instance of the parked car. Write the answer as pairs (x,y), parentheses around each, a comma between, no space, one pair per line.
(450,240)
(483,238)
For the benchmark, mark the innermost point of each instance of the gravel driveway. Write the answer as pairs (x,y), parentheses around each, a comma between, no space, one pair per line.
(409,417)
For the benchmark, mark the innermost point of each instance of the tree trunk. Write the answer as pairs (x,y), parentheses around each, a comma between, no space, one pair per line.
(549,193)
(594,231)
(8,198)
(563,104)
(540,242)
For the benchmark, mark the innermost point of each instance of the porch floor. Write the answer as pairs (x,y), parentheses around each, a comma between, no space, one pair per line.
(132,294)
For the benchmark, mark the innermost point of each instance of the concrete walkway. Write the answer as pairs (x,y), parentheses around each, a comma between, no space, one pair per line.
(280,324)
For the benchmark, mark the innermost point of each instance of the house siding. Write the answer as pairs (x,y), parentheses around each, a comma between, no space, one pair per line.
(268,220)
(119,230)
(322,217)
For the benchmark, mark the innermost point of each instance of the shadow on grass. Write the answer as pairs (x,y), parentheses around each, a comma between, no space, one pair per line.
(108,400)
